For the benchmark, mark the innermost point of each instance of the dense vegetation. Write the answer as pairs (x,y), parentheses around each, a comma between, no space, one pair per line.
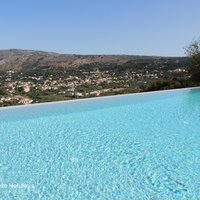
(193,51)
(169,84)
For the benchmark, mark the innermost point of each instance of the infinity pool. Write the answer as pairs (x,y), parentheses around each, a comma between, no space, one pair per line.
(128,147)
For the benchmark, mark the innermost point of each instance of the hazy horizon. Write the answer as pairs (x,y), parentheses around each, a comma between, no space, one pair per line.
(87,54)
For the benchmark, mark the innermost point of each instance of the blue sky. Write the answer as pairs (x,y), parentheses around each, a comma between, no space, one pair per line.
(139,27)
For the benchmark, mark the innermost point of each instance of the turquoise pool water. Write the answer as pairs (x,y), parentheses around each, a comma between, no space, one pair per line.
(129,147)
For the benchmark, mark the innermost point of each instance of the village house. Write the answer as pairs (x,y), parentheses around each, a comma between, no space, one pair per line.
(26,100)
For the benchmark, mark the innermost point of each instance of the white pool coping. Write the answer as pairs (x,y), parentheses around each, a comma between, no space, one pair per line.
(94,98)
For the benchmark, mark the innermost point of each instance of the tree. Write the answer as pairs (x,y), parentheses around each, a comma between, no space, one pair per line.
(193,51)
(2,91)
(20,89)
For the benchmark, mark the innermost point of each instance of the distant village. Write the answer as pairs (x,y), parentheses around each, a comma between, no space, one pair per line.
(19,88)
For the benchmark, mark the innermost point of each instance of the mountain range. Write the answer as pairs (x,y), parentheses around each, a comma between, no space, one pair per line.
(18,59)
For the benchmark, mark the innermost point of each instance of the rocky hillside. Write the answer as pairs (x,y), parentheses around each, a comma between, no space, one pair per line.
(8,53)
(17,59)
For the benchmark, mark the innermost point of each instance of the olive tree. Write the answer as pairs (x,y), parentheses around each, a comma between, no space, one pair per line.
(193,52)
